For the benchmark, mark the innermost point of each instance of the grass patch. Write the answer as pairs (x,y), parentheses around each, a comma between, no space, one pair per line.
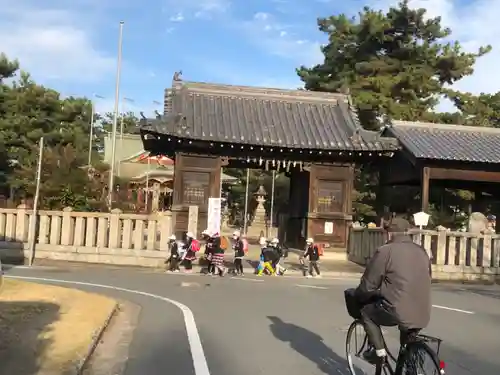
(47,329)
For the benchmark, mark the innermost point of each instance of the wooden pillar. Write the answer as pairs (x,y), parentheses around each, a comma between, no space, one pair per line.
(296,228)
(383,209)
(425,189)
(196,178)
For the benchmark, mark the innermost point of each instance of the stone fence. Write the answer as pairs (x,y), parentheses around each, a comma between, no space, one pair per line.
(112,238)
(455,255)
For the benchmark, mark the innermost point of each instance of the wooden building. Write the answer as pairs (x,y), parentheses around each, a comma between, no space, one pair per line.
(451,156)
(315,137)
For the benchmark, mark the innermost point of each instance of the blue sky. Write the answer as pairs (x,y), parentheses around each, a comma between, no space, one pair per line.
(72,45)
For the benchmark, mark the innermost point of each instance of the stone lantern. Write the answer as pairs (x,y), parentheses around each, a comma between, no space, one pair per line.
(259,221)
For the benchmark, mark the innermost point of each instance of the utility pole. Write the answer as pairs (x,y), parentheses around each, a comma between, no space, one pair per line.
(34,217)
(111,187)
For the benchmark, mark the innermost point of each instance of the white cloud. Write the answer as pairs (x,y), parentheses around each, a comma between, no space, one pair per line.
(474,24)
(265,30)
(179,17)
(197,8)
(51,44)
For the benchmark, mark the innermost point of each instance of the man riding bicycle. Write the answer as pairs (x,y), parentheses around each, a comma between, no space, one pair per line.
(395,289)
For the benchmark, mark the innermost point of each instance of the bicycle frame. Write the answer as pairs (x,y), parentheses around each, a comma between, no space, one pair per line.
(386,367)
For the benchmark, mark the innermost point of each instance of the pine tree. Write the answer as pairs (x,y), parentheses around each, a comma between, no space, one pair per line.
(395,63)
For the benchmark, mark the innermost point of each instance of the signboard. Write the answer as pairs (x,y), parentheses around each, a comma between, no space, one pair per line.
(214,215)
(421,219)
(328,227)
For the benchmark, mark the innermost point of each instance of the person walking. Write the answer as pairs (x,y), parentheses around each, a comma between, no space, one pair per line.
(209,251)
(192,246)
(218,256)
(313,253)
(175,256)
(268,256)
(280,270)
(239,253)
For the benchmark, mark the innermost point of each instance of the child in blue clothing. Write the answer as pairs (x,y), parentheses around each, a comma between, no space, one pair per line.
(260,266)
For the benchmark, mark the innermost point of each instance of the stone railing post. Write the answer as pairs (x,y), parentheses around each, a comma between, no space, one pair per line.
(68,227)
(79,234)
(10,227)
(115,230)
(441,246)
(165,229)
(102,232)
(496,254)
(3,222)
(44,229)
(55,229)
(486,256)
(193,220)
(22,224)
(462,255)
(151,232)
(127,234)
(474,247)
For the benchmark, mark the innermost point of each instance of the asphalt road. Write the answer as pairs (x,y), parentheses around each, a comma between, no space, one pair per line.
(273,325)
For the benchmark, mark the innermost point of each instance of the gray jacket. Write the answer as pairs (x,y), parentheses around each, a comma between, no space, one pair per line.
(400,272)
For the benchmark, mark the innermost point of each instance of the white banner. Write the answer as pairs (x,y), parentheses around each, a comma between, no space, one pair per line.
(214,215)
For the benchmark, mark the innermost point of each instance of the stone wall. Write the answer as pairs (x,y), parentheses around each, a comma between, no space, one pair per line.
(112,238)
(455,255)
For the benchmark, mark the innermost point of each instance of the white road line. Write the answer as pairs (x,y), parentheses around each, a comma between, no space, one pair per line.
(453,309)
(311,286)
(197,352)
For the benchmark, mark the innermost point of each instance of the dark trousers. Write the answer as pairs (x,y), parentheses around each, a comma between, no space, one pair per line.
(211,267)
(313,265)
(238,265)
(188,264)
(174,264)
(373,316)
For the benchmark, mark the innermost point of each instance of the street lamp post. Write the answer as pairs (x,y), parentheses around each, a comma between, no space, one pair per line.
(91,133)
(111,187)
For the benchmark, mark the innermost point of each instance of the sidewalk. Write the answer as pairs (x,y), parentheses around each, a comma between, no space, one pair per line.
(331,268)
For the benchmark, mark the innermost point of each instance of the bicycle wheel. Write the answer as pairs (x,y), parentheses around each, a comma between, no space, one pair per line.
(356,343)
(418,358)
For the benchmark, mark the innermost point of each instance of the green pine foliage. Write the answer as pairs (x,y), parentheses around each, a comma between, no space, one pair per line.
(396,64)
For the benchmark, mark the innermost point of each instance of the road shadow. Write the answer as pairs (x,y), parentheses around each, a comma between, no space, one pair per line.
(309,345)
(24,335)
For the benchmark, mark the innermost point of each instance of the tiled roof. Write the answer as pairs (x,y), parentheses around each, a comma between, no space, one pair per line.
(266,117)
(448,142)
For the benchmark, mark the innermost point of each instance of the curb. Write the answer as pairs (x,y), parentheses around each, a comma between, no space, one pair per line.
(95,340)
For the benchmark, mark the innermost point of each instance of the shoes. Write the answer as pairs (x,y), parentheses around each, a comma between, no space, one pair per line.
(371,356)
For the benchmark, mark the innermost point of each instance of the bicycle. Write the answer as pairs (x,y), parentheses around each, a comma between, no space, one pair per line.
(411,354)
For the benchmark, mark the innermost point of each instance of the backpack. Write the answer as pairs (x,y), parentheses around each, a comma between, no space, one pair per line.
(245,245)
(321,249)
(195,245)
(224,243)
